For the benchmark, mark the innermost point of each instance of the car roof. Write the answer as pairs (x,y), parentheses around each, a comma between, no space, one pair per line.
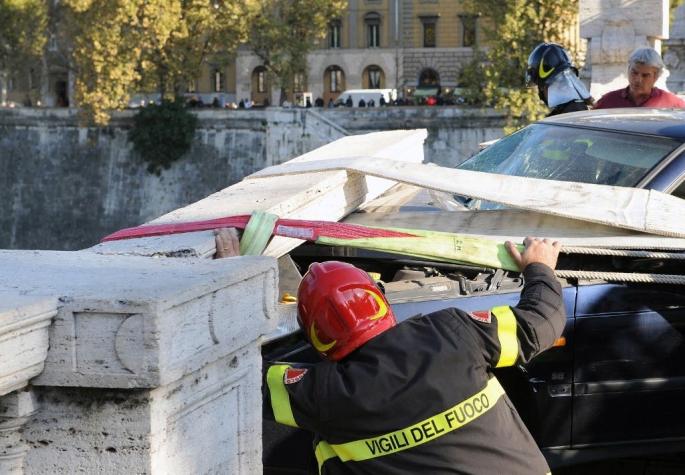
(659,122)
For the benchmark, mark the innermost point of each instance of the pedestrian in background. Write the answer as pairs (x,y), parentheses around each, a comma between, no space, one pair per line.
(645,66)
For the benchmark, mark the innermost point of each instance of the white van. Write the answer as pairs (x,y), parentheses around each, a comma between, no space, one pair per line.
(367,94)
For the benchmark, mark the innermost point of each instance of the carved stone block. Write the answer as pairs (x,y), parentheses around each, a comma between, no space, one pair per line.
(208,422)
(140,322)
(24,325)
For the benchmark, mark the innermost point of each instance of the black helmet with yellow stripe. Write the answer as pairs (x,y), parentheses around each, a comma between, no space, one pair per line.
(545,62)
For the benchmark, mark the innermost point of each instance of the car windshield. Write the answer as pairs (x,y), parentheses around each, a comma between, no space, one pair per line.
(571,154)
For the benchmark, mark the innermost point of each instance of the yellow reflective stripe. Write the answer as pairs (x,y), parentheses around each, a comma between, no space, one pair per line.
(506,333)
(429,429)
(323,452)
(280,401)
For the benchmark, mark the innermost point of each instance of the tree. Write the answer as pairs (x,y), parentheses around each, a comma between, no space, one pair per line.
(203,30)
(121,46)
(283,32)
(23,26)
(496,75)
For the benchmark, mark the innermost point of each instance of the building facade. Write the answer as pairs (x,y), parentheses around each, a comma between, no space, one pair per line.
(413,46)
(377,44)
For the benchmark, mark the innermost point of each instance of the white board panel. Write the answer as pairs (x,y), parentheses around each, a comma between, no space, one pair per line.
(627,208)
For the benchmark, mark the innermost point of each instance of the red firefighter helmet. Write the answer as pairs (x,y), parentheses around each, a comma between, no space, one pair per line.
(340,308)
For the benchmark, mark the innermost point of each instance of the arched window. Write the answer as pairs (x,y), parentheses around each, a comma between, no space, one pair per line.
(429,77)
(372,21)
(259,86)
(334,83)
(373,77)
(299,83)
(260,79)
(334,78)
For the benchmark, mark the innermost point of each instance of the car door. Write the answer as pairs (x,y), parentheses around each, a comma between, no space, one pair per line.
(629,364)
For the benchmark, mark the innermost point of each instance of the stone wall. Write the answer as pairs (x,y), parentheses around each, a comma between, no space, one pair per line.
(64,186)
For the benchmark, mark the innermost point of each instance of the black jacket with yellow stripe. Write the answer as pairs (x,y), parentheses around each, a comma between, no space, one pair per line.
(421,397)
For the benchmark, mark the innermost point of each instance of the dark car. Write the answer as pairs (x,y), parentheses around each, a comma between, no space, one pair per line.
(614,385)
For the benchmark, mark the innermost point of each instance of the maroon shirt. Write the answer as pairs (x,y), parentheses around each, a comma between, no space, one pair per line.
(658,99)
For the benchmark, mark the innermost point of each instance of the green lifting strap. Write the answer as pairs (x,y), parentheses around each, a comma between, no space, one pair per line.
(434,245)
(257,233)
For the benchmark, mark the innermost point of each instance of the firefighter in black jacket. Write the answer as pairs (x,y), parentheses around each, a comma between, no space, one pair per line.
(550,69)
(420,396)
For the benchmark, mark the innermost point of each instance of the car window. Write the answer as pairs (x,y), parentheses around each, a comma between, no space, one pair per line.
(572,154)
(679,192)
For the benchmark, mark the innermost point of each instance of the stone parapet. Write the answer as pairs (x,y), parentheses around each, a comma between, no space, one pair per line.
(207,422)
(131,322)
(153,366)
(15,410)
(24,322)
(84,183)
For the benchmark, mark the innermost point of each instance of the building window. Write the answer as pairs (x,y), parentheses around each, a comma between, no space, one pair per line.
(191,86)
(468,30)
(373,77)
(261,80)
(334,82)
(429,30)
(298,82)
(373,29)
(218,80)
(334,34)
(52,43)
(336,79)
(259,84)
(429,77)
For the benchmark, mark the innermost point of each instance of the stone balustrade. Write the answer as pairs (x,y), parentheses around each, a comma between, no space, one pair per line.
(153,364)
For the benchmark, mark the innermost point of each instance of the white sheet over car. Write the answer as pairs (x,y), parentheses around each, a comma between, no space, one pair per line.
(646,211)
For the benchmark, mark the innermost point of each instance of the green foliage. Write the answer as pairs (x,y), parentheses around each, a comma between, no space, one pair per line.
(122,46)
(23,27)
(283,32)
(162,134)
(495,77)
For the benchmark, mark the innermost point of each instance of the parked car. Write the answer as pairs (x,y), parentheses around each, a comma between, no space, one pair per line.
(388,95)
(615,386)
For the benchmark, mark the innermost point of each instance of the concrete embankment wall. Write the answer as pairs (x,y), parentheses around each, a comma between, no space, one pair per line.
(63,186)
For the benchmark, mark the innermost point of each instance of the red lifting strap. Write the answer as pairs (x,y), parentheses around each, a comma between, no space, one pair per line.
(293,228)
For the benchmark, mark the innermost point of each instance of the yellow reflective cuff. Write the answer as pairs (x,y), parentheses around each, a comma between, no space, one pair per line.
(506,333)
(280,401)
(323,452)
(425,431)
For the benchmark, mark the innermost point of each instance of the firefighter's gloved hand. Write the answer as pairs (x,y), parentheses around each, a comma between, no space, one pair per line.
(544,251)
(227,243)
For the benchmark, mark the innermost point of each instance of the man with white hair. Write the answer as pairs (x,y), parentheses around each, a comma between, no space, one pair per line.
(644,68)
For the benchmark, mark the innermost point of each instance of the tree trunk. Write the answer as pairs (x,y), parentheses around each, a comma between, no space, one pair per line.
(162,82)
(3,87)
